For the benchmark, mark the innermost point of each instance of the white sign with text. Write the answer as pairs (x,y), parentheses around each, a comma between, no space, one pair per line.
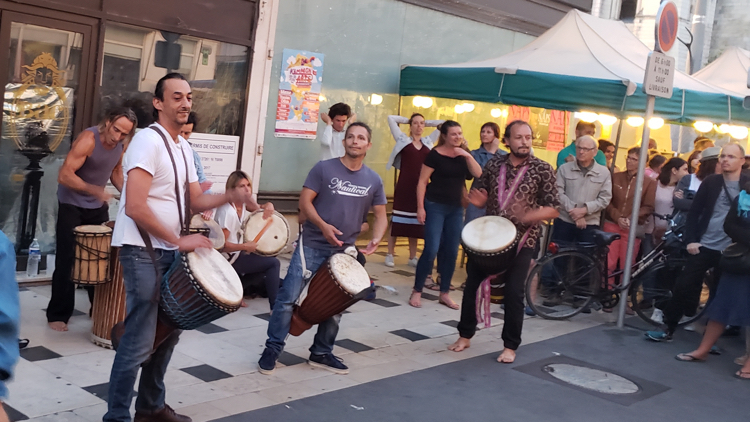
(218,155)
(659,78)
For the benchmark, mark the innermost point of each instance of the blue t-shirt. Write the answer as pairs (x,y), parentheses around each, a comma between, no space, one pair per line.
(344,198)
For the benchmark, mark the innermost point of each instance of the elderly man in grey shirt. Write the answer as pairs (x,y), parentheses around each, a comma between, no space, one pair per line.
(585,189)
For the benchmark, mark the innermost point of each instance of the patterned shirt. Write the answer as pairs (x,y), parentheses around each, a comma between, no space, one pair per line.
(537,189)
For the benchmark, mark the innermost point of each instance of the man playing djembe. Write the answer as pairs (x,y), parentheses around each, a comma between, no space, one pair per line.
(337,194)
(521,188)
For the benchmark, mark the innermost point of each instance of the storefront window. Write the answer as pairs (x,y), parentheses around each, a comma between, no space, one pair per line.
(136,58)
(38,118)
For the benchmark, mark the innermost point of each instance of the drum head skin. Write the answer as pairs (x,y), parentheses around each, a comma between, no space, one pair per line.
(92,229)
(216,275)
(216,234)
(274,239)
(349,273)
(489,234)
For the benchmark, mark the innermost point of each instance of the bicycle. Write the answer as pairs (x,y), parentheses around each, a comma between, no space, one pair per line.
(572,279)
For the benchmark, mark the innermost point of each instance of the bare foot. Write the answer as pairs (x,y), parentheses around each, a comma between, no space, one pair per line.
(243,304)
(446,300)
(460,344)
(416,299)
(58,326)
(507,356)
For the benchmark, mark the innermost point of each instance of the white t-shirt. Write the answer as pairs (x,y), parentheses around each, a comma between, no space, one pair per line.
(226,216)
(331,144)
(148,152)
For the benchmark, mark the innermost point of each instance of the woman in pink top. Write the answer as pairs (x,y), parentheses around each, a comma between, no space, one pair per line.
(671,173)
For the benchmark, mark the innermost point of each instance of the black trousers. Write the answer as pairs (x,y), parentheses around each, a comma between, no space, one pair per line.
(62,302)
(687,289)
(515,283)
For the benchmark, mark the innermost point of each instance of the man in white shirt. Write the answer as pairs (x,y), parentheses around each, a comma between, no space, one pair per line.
(332,139)
(156,160)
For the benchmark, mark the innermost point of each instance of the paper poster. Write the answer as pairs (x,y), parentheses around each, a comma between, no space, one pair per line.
(218,155)
(299,90)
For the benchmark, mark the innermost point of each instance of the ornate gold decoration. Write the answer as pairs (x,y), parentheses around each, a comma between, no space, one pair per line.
(44,80)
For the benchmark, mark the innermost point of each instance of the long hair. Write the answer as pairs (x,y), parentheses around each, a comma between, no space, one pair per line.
(236,177)
(666,172)
(113,115)
(444,128)
(690,159)
(706,168)
(411,119)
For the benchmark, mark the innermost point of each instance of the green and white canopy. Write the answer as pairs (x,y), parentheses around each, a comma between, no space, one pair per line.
(581,63)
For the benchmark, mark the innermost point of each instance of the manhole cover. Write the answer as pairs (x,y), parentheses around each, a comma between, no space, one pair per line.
(591,379)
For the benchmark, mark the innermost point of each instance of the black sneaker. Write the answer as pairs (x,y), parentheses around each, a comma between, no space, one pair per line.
(329,362)
(267,362)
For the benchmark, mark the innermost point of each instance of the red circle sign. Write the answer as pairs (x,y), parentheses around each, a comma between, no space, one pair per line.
(667,25)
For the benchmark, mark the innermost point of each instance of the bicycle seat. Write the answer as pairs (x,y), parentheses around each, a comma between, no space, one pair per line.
(602,238)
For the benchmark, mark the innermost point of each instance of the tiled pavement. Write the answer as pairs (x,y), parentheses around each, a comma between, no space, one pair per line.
(63,377)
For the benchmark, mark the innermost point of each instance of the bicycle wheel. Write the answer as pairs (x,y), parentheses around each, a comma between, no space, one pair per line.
(652,290)
(562,285)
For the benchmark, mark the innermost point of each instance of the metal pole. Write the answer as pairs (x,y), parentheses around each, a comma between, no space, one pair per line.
(634,215)
(617,144)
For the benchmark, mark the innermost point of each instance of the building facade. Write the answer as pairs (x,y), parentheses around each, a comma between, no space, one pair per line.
(364,44)
(66,61)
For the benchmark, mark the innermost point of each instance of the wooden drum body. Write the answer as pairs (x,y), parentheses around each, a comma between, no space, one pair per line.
(92,255)
(491,243)
(271,236)
(200,287)
(338,284)
(109,304)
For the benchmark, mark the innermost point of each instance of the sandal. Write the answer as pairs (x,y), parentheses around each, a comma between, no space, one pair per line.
(684,357)
(23,342)
(743,375)
(430,284)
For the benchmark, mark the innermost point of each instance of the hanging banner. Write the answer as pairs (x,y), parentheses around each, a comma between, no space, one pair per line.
(299,91)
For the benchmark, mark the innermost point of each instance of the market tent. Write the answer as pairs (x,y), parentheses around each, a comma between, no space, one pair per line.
(582,63)
(728,71)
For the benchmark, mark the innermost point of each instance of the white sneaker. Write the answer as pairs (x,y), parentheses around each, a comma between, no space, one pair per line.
(413,262)
(389,261)
(657,316)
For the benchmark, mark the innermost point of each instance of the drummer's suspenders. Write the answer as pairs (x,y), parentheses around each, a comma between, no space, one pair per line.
(184,222)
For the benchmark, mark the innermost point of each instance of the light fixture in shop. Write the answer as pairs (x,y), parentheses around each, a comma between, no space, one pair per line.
(586,116)
(703,126)
(497,113)
(655,123)
(376,99)
(635,121)
(463,108)
(422,102)
(606,119)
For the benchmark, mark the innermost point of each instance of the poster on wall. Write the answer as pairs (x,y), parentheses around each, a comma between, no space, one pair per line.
(548,125)
(218,155)
(299,91)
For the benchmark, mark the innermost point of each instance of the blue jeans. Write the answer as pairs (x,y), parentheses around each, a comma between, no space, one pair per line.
(566,233)
(291,287)
(442,235)
(141,297)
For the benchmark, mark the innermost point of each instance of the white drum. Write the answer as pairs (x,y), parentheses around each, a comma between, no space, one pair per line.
(271,235)
(215,233)
(490,242)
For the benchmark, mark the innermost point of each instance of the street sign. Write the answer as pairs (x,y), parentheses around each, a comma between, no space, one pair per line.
(659,76)
(667,25)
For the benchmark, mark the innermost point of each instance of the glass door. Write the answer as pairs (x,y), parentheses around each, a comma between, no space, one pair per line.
(43,71)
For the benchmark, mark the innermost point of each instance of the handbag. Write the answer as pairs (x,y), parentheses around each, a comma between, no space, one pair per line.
(735,259)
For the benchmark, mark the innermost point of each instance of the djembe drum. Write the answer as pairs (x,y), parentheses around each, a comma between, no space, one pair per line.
(491,243)
(109,302)
(271,235)
(92,255)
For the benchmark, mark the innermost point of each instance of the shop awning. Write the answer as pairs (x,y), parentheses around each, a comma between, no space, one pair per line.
(728,71)
(582,63)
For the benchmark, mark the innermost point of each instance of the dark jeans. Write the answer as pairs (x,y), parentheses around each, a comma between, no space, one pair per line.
(137,343)
(515,283)
(442,235)
(69,217)
(568,233)
(291,288)
(268,265)
(687,289)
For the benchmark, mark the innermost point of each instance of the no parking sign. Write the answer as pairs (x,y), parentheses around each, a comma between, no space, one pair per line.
(667,25)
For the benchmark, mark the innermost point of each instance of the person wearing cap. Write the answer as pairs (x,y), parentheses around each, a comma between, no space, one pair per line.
(688,185)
